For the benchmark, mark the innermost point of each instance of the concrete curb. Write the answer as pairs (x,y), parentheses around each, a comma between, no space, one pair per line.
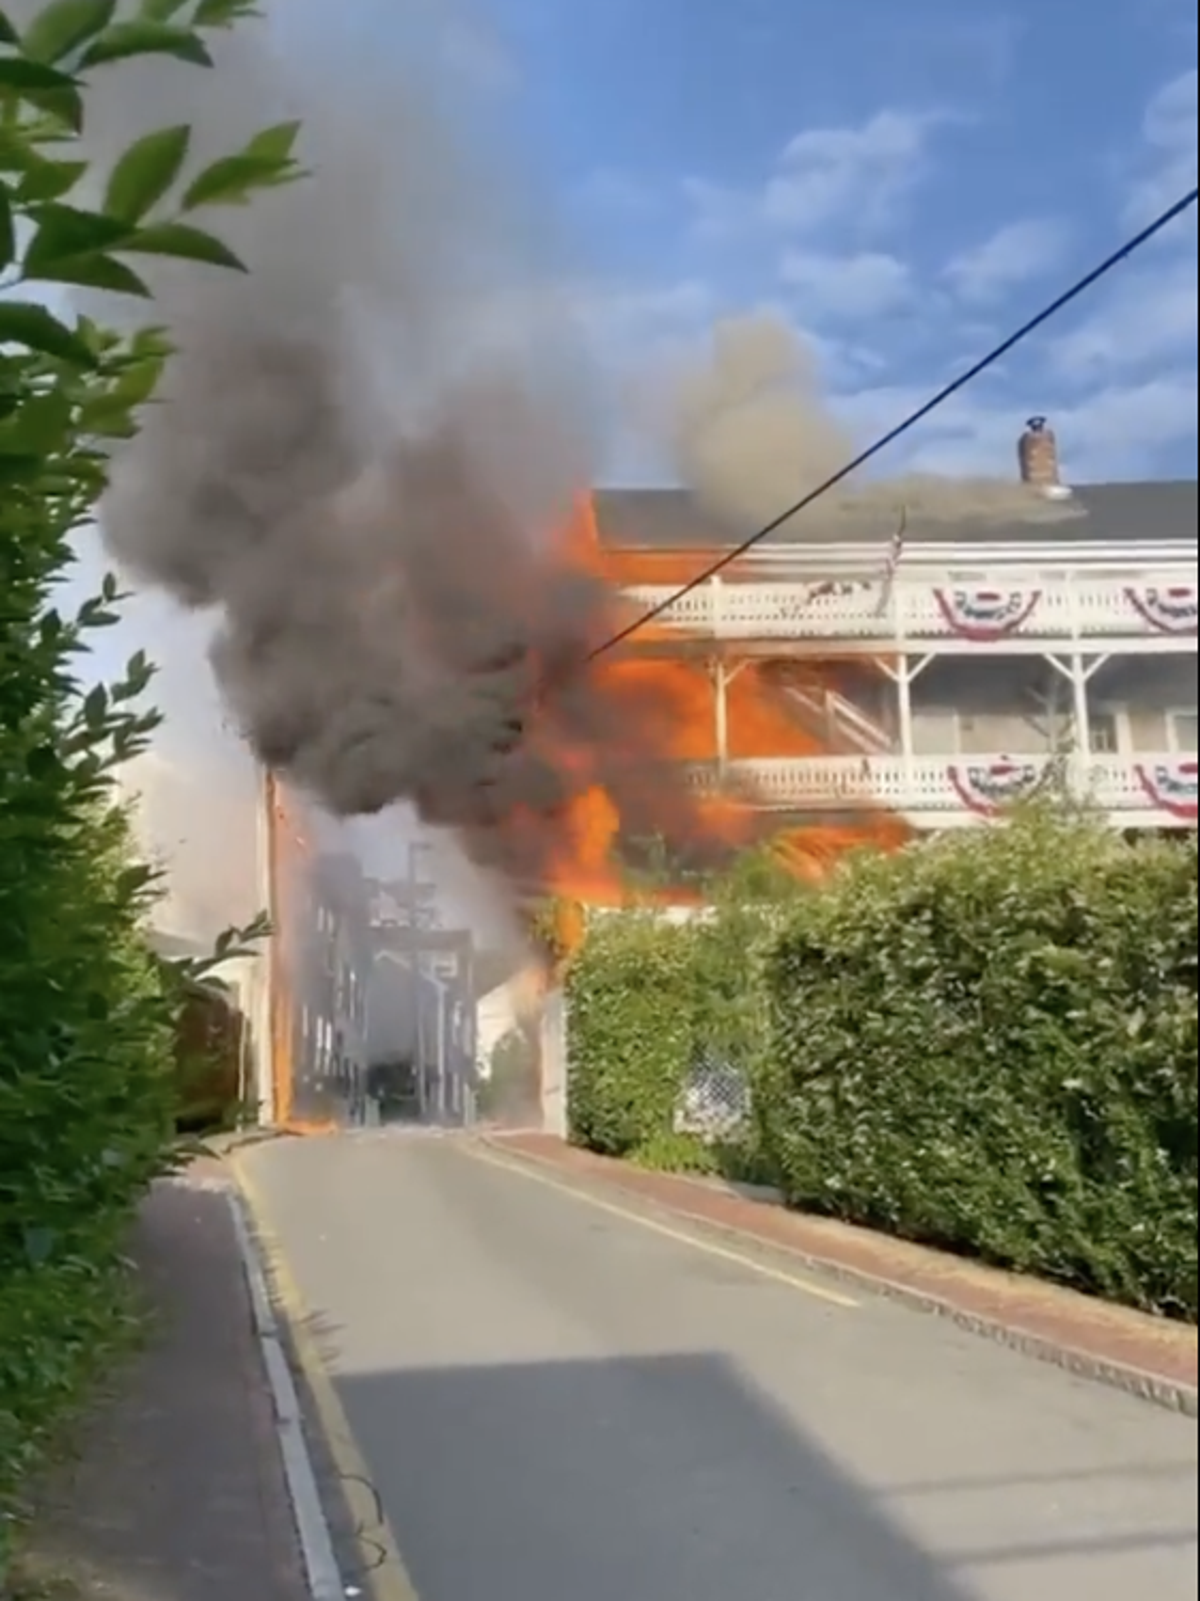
(316,1540)
(1145,1386)
(386,1577)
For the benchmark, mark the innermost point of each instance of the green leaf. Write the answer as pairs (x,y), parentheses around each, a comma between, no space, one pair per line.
(8,237)
(40,426)
(42,761)
(51,91)
(48,180)
(24,322)
(8,34)
(19,74)
(186,243)
(95,706)
(160,10)
(20,469)
(221,13)
(146,171)
(230,181)
(62,26)
(146,38)
(97,272)
(274,144)
(136,383)
(65,231)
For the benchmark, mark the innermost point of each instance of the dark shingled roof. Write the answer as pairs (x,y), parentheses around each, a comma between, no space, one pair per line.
(1149,512)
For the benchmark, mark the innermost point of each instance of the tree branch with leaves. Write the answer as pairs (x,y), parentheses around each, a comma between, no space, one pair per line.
(87,1010)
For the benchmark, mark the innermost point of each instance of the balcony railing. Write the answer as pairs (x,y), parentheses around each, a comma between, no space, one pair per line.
(1138,608)
(1156,790)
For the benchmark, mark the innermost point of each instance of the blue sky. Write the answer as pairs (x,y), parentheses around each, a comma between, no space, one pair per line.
(904,183)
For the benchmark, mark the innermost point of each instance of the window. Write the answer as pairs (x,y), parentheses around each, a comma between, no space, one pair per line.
(1182,729)
(1102,733)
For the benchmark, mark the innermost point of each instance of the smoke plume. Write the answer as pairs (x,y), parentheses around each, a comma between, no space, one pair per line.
(750,434)
(361,445)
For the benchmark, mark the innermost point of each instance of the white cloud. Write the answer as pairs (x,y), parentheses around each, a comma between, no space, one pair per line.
(622,317)
(1014,255)
(1121,430)
(852,178)
(863,285)
(1124,430)
(1149,317)
(1144,324)
(1168,166)
(853,175)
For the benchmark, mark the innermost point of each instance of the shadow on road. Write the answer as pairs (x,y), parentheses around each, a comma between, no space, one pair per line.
(595,1480)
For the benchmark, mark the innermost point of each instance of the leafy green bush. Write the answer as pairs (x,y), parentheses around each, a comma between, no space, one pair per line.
(630,1000)
(87,1013)
(657,1008)
(988,1043)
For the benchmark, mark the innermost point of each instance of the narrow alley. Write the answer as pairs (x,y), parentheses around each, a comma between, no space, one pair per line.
(559,1399)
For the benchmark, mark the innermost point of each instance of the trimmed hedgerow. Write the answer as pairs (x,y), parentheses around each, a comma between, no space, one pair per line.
(658,1005)
(987,1042)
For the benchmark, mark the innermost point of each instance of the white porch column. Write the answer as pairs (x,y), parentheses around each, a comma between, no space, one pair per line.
(1079,673)
(904,710)
(1081,714)
(903,675)
(721,715)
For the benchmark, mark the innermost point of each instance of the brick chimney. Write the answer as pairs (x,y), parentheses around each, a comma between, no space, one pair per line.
(1037,453)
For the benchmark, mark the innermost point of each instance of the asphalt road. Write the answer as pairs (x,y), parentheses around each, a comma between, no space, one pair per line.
(558,1403)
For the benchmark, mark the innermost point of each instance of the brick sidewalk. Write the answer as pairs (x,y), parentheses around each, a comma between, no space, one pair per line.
(1147,1355)
(178,1493)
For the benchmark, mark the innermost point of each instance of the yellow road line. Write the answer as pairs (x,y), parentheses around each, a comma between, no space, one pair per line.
(387,1576)
(525,1168)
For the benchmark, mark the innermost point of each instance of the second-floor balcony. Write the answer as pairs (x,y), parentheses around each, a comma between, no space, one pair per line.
(1153,790)
(1003,610)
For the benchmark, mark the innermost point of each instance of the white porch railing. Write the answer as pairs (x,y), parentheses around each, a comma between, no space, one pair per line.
(1157,790)
(1153,609)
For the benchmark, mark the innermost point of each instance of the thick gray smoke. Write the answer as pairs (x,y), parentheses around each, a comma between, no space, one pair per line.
(359,443)
(751,434)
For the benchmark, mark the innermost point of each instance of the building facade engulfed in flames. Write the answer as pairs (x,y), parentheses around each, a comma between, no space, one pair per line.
(654,768)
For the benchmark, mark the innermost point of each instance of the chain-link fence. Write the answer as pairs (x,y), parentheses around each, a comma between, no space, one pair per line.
(715,1102)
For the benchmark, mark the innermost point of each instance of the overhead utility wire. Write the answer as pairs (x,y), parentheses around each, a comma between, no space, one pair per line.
(1079,287)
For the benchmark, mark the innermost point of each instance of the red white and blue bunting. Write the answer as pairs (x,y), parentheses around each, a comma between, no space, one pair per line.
(1170,786)
(988,787)
(982,615)
(1168,611)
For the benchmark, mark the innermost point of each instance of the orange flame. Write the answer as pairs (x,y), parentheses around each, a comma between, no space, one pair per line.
(659,707)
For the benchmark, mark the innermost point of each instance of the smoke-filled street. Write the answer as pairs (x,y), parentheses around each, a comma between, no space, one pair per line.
(560,1401)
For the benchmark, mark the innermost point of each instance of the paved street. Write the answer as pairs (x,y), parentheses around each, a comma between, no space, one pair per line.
(560,1403)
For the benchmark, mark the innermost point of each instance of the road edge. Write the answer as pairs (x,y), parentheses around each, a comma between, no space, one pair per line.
(1171,1394)
(385,1574)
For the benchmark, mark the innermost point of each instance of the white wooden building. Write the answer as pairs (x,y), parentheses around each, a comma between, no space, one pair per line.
(953,671)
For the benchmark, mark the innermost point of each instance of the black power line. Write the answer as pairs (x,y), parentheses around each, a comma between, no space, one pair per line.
(1079,287)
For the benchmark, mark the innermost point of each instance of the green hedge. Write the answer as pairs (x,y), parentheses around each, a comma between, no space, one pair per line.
(87,1013)
(987,1042)
(630,1005)
(651,1003)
